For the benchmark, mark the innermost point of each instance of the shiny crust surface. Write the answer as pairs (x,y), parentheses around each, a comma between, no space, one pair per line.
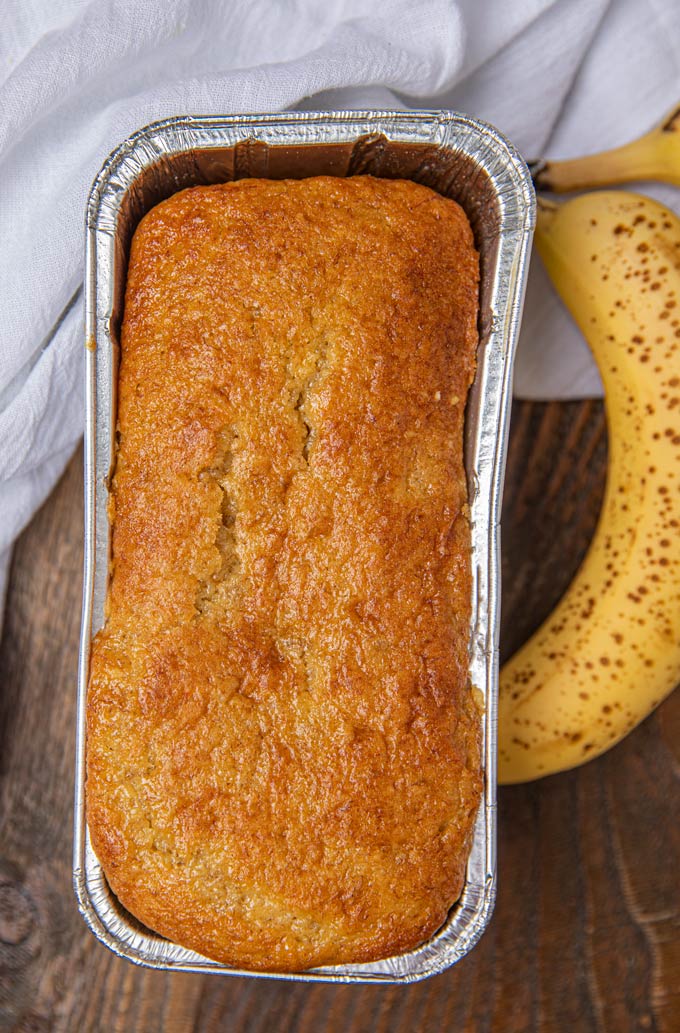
(283,748)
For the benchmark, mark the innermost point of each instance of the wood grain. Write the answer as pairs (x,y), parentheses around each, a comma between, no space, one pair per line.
(586,930)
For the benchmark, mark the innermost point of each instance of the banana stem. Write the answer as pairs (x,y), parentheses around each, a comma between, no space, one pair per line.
(649,158)
(654,156)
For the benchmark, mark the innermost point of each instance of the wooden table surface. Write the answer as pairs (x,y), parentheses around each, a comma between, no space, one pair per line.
(585,934)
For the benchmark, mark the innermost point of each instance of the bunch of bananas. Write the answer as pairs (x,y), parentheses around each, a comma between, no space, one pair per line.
(610,651)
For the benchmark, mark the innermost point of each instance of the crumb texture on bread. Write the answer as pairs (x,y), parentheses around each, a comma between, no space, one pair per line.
(283,749)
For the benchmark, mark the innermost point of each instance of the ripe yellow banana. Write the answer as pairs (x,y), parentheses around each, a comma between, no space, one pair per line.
(610,651)
(654,156)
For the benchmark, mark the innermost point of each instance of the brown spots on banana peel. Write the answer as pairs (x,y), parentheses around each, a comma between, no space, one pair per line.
(611,650)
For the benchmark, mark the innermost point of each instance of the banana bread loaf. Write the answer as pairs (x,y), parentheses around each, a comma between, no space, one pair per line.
(283,746)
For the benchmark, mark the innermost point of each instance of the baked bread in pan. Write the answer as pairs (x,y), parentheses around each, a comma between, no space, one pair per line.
(283,747)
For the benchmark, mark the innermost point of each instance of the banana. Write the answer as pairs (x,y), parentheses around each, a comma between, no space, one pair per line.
(610,651)
(654,156)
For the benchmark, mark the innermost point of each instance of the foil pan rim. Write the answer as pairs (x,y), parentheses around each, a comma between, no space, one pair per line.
(442,118)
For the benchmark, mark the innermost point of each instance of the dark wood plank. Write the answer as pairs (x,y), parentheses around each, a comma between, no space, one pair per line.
(586,930)
(554,485)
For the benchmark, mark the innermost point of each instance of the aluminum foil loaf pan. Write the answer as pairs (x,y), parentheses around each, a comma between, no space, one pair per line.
(460,158)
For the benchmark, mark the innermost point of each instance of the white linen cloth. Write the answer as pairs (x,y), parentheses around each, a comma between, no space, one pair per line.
(559,77)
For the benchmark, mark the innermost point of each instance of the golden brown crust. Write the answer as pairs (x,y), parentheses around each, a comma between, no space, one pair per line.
(283,749)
